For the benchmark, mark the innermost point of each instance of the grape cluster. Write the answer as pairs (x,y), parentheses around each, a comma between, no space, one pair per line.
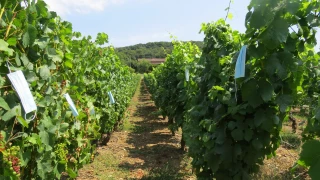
(12,160)
(62,153)
(1,143)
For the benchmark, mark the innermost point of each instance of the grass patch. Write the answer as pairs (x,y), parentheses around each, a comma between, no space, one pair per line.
(166,172)
(139,129)
(127,126)
(290,140)
(105,166)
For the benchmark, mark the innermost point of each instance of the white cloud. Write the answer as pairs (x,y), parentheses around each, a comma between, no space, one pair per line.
(63,7)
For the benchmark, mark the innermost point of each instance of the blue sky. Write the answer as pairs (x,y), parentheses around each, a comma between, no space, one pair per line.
(129,22)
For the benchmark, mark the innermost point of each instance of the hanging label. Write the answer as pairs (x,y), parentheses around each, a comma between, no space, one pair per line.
(92,111)
(21,86)
(187,74)
(111,98)
(71,105)
(241,63)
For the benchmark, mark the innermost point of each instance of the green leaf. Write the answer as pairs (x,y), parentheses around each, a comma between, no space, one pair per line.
(32,140)
(4,104)
(310,153)
(26,156)
(265,90)
(44,136)
(214,165)
(258,18)
(314,170)
(237,134)
(276,33)
(102,38)
(12,113)
(4,46)
(249,91)
(259,117)
(237,149)
(219,88)
(26,62)
(29,36)
(257,144)
(23,122)
(63,127)
(206,137)
(18,61)
(69,56)
(12,41)
(68,64)
(248,133)
(310,156)
(44,72)
(71,173)
(284,101)
(293,7)
(273,65)
(231,125)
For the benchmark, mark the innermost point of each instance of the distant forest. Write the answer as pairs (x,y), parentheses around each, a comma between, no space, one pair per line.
(147,51)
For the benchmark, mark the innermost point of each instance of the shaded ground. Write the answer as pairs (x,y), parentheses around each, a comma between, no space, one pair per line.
(144,149)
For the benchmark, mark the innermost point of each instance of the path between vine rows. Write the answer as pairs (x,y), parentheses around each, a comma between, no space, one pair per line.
(143,149)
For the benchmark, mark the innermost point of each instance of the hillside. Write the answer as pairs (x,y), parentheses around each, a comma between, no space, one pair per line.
(148,50)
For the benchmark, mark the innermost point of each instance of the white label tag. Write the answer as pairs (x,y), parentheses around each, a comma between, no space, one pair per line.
(187,74)
(21,86)
(111,98)
(71,105)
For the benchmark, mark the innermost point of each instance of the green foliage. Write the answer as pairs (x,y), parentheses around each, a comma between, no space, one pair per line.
(168,84)
(55,60)
(148,50)
(142,66)
(231,125)
(310,156)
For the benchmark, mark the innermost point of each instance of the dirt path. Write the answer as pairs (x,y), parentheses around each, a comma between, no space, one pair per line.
(143,149)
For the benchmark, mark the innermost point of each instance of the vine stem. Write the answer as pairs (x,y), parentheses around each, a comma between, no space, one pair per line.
(10,25)
(225,19)
(1,13)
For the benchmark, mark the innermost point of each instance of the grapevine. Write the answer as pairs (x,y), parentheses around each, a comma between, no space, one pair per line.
(231,125)
(171,88)
(56,60)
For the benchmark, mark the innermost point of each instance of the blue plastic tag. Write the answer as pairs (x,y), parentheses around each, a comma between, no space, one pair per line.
(111,98)
(241,63)
(71,105)
(92,111)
